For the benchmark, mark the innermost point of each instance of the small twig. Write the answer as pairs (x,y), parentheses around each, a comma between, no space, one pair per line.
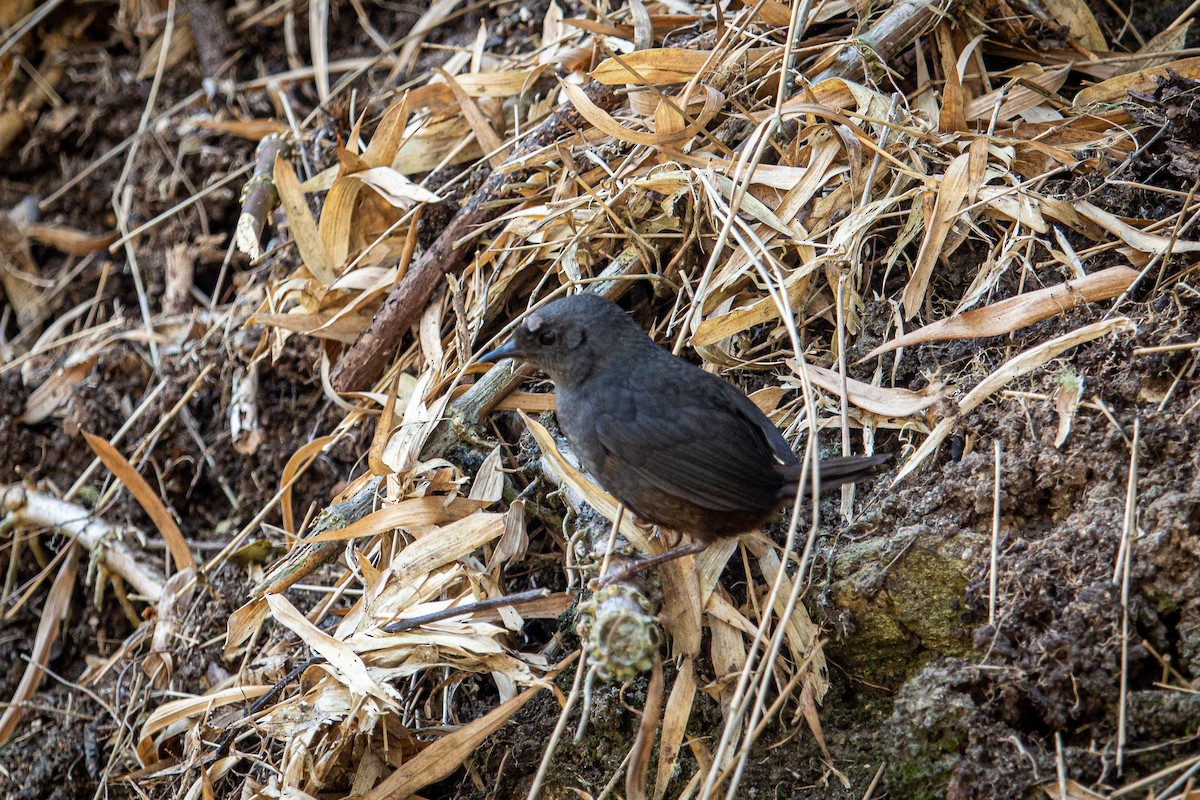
(508,601)
(556,735)
(895,30)
(310,555)
(1124,557)
(35,509)
(874,782)
(993,563)
(261,703)
(1178,782)
(259,195)
(1060,766)
(612,541)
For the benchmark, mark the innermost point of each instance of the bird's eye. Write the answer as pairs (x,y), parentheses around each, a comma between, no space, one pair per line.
(547,338)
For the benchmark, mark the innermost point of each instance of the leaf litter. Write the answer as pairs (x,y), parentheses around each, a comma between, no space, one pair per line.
(748,190)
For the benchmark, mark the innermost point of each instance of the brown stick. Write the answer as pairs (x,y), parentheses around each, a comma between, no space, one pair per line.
(259,195)
(895,30)
(364,362)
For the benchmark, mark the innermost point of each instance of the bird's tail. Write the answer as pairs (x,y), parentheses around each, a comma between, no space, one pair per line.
(835,472)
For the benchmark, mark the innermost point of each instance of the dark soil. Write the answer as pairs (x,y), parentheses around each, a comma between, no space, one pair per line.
(924,686)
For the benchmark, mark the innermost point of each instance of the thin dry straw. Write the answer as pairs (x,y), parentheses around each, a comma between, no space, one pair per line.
(560,726)
(1125,556)
(993,564)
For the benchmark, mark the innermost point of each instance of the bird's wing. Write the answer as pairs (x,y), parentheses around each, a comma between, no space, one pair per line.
(710,447)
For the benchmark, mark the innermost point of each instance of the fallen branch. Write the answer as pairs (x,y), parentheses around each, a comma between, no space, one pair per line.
(899,27)
(364,362)
(36,510)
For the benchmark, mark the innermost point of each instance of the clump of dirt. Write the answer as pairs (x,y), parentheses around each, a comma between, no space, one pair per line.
(1167,157)
(1174,110)
(1046,673)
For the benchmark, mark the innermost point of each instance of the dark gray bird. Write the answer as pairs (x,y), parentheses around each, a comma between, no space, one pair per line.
(681,448)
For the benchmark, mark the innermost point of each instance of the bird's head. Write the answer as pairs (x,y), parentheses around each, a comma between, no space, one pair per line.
(568,338)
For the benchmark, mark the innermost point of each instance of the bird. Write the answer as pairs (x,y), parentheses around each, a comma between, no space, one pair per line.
(680,447)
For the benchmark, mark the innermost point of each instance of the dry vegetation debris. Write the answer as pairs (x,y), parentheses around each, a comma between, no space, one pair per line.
(843,209)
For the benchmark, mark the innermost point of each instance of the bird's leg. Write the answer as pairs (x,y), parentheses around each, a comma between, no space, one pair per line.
(634,567)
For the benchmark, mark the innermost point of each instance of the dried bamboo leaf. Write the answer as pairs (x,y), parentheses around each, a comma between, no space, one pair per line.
(348,666)
(499,83)
(404,449)
(1017,312)
(174,604)
(180,47)
(1016,206)
(1066,403)
(1063,211)
(432,141)
(531,402)
(304,227)
(514,542)
(167,715)
(393,187)
(951,194)
(950,116)
(720,609)
(20,274)
(601,119)
(54,611)
(1076,17)
(293,465)
(446,544)
(1115,90)
(775,176)
(446,754)
(242,624)
(722,326)
(481,126)
(802,634)
(650,67)
(57,390)
(1017,99)
(343,328)
(893,403)
(132,480)
(389,134)
(674,726)
(416,511)
(727,651)
(682,608)
(488,486)
(1166,42)
(1150,243)
(69,240)
(771,12)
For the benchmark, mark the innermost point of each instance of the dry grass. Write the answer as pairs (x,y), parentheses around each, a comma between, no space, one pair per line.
(756,195)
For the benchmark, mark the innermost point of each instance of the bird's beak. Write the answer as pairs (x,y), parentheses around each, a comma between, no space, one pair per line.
(508,350)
